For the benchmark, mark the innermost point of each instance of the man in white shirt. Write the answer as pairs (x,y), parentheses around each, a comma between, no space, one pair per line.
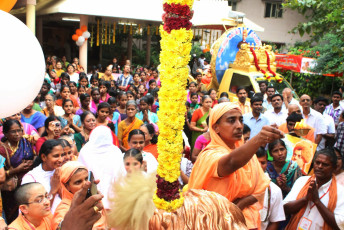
(313,118)
(288,98)
(315,201)
(267,101)
(201,61)
(276,115)
(320,104)
(336,108)
(272,212)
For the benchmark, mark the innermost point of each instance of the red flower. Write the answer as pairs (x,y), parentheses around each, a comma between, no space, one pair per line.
(299,50)
(166,190)
(307,51)
(317,52)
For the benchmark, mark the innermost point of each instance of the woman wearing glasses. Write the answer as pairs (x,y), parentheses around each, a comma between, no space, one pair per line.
(52,131)
(19,154)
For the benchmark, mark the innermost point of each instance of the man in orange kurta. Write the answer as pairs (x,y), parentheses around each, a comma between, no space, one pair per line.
(248,180)
(34,206)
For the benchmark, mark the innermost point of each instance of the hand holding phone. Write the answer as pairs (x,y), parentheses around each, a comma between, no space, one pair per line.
(93,189)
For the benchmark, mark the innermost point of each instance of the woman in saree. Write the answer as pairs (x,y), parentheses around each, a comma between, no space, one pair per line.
(50,108)
(282,172)
(128,124)
(198,121)
(223,168)
(88,121)
(73,176)
(18,151)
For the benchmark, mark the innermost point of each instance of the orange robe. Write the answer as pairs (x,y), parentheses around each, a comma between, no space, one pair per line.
(67,171)
(309,136)
(246,181)
(21,223)
(153,149)
(244,108)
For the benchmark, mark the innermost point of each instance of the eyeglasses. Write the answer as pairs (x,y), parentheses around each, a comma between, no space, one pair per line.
(41,199)
(16,131)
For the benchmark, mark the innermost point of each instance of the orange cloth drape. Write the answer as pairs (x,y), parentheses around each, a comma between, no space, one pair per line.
(295,219)
(22,223)
(153,149)
(246,181)
(67,171)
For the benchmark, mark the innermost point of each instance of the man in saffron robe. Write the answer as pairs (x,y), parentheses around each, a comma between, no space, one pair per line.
(230,167)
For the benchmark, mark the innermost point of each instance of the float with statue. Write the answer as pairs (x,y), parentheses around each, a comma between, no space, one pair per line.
(240,59)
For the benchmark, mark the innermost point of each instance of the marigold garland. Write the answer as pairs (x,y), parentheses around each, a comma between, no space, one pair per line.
(176,36)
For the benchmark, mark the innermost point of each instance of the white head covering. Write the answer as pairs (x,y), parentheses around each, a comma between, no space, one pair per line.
(104,159)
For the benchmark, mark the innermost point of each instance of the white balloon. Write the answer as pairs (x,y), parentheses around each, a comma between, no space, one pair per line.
(78,43)
(86,34)
(81,39)
(18,87)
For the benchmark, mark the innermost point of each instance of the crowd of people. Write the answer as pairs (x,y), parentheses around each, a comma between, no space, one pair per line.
(106,122)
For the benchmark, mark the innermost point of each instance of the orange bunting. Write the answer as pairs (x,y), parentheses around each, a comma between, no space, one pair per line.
(83,28)
(78,32)
(7,5)
(75,37)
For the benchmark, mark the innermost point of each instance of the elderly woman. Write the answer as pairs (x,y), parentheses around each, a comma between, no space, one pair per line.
(229,167)
(51,109)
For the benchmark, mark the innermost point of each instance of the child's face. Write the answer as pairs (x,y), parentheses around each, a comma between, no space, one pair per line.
(194,99)
(152,85)
(131,164)
(136,78)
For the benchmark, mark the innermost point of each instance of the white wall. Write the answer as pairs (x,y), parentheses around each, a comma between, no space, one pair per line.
(276,29)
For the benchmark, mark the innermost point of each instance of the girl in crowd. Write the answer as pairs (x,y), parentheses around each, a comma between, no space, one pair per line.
(194,102)
(44,91)
(142,91)
(65,94)
(136,140)
(88,121)
(114,116)
(68,151)
(19,155)
(201,142)
(192,90)
(103,158)
(103,89)
(94,81)
(151,85)
(52,131)
(81,90)
(73,121)
(72,74)
(198,123)
(35,118)
(65,79)
(145,114)
(113,84)
(73,89)
(212,94)
(85,100)
(95,94)
(51,109)
(47,170)
(103,112)
(136,79)
(282,172)
(123,99)
(73,176)
(151,139)
(131,96)
(133,160)
(83,80)
(143,77)
(224,94)
(127,125)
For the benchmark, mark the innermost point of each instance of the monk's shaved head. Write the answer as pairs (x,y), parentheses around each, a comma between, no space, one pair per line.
(22,193)
(294,108)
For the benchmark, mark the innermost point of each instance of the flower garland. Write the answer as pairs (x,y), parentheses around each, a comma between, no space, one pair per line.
(267,76)
(279,79)
(176,36)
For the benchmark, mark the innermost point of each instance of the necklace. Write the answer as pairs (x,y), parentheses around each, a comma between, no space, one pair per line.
(13,148)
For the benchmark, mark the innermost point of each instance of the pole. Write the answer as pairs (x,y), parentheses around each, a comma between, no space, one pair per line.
(31,15)
(83,48)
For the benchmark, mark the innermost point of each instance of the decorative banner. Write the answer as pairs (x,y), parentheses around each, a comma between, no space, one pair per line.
(296,63)
(229,46)
(300,150)
(210,38)
(92,36)
(109,32)
(138,29)
(131,29)
(98,32)
(124,28)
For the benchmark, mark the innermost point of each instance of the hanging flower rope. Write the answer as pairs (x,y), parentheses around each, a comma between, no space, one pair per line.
(176,37)
(267,76)
(278,79)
